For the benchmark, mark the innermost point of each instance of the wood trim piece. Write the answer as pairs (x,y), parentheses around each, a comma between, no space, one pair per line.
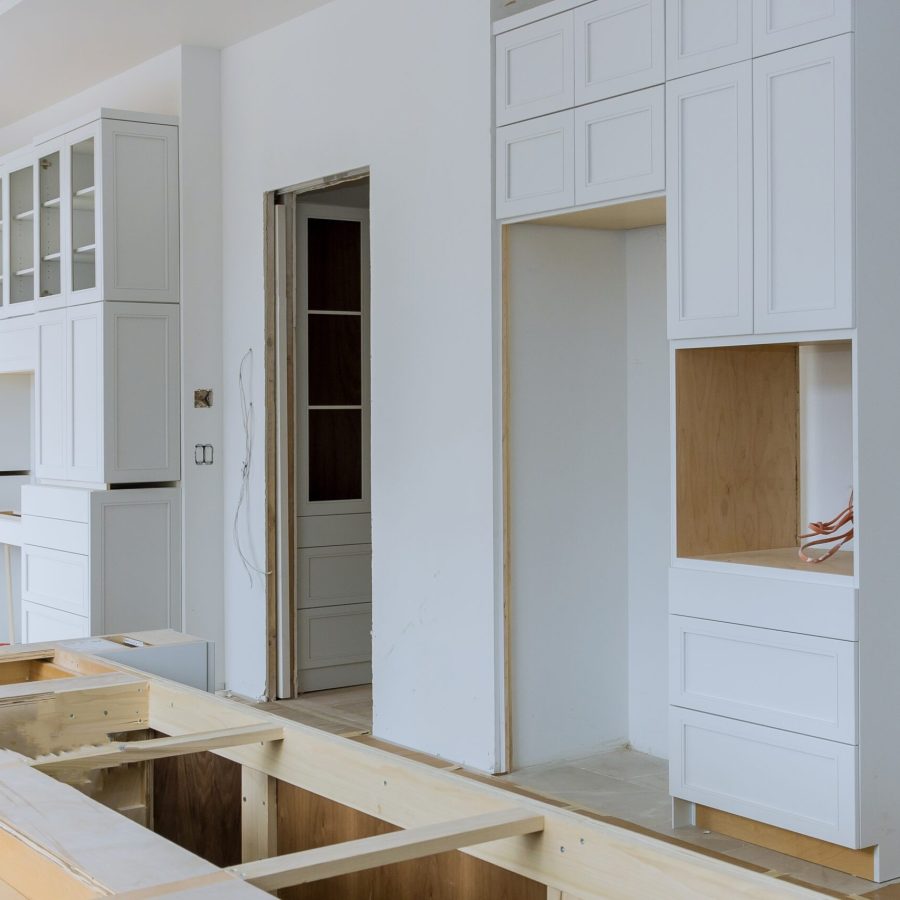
(122,753)
(860,863)
(259,815)
(506,388)
(271,448)
(386,849)
(290,294)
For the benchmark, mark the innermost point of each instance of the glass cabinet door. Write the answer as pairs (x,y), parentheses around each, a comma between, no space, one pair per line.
(21,238)
(84,214)
(49,175)
(4,216)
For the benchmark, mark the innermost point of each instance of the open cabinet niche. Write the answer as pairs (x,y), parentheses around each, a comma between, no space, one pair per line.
(764,445)
(588,476)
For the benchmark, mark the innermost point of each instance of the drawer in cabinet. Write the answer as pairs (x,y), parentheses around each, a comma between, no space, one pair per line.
(51,502)
(56,579)
(536,165)
(784,680)
(40,623)
(73,537)
(792,781)
(620,147)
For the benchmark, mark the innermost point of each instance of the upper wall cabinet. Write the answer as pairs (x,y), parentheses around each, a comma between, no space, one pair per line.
(710,203)
(705,34)
(535,69)
(619,47)
(803,184)
(620,146)
(18,232)
(780,24)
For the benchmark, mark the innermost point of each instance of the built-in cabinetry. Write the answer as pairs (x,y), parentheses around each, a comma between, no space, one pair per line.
(96,561)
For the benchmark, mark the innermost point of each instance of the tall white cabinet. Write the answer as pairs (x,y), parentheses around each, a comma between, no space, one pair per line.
(90,255)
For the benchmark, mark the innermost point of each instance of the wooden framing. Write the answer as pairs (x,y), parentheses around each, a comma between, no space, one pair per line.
(63,842)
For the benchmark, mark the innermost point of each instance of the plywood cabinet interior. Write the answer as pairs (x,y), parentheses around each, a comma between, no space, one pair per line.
(619,48)
(108,398)
(706,34)
(709,201)
(780,24)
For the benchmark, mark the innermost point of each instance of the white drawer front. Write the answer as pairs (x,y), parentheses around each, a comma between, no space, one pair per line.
(535,71)
(56,579)
(333,576)
(335,635)
(42,624)
(620,147)
(790,681)
(804,784)
(70,504)
(536,165)
(73,537)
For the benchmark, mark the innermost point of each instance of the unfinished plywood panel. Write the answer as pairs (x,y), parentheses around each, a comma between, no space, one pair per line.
(737,448)
(306,821)
(197,804)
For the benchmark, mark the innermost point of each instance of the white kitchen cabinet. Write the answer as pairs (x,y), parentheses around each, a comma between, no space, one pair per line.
(100,561)
(18,232)
(620,147)
(709,201)
(535,70)
(536,165)
(780,24)
(50,185)
(706,34)
(107,393)
(803,186)
(335,646)
(619,48)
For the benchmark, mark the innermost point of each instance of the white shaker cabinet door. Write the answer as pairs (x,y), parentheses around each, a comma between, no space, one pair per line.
(619,47)
(84,394)
(803,184)
(706,34)
(780,24)
(535,72)
(535,165)
(709,201)
(50,395)
(620,147)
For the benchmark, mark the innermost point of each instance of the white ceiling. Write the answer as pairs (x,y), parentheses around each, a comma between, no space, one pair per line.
(52,49)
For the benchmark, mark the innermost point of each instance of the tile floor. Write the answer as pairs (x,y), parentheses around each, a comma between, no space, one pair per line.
(621,783)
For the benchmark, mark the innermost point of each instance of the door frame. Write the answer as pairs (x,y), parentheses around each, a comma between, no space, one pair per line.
(279,240)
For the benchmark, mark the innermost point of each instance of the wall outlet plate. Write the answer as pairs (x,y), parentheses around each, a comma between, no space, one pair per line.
(203,398)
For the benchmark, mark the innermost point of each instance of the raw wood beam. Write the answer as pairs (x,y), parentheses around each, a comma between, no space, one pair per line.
(385,849)
(118,754)
(259,815)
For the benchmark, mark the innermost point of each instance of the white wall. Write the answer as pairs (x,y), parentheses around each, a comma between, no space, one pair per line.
(400,86)
(569,589)
(648,491)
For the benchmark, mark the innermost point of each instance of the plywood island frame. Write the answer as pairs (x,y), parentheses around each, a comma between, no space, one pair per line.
(114,782)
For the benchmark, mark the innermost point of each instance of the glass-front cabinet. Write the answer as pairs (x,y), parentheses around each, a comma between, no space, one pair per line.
(19,229)
(49,226)
(83,194)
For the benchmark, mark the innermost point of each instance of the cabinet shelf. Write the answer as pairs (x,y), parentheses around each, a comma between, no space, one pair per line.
(50,257)
(786,558)
(25,216)
(51,204)
(86,192)
(21,273)
(86,250)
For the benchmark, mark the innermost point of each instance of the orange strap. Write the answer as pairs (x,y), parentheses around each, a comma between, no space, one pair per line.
(824,532)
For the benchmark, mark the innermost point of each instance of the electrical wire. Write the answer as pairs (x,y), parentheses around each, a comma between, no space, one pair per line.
(247,420)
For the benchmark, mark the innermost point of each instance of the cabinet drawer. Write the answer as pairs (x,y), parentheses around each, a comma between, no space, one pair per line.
(620,147)
(535,165)
(335,576)
(42,624)
(73,537)
(535,71)
(790,681)
(56,579)
(804,784)
(71,504)
(619,48)
(335,635)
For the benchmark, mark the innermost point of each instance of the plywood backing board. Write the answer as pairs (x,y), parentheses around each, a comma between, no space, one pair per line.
(737,448)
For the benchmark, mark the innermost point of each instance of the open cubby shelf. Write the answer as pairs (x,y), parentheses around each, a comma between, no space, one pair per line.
(764,445)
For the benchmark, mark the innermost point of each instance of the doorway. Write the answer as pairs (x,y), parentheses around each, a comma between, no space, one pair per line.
(323,583)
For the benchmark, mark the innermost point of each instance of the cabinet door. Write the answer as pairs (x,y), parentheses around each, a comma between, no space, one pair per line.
(535,72)
(140,428)
(49,216)
(4,242)
(81,215)
(709,200)
(139,173)
(705,34)
(619,47)
(803,173)
(780,24)
(84,393)
(620,147)
(536,165)
(20,235)
(50,395)
(56,579)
